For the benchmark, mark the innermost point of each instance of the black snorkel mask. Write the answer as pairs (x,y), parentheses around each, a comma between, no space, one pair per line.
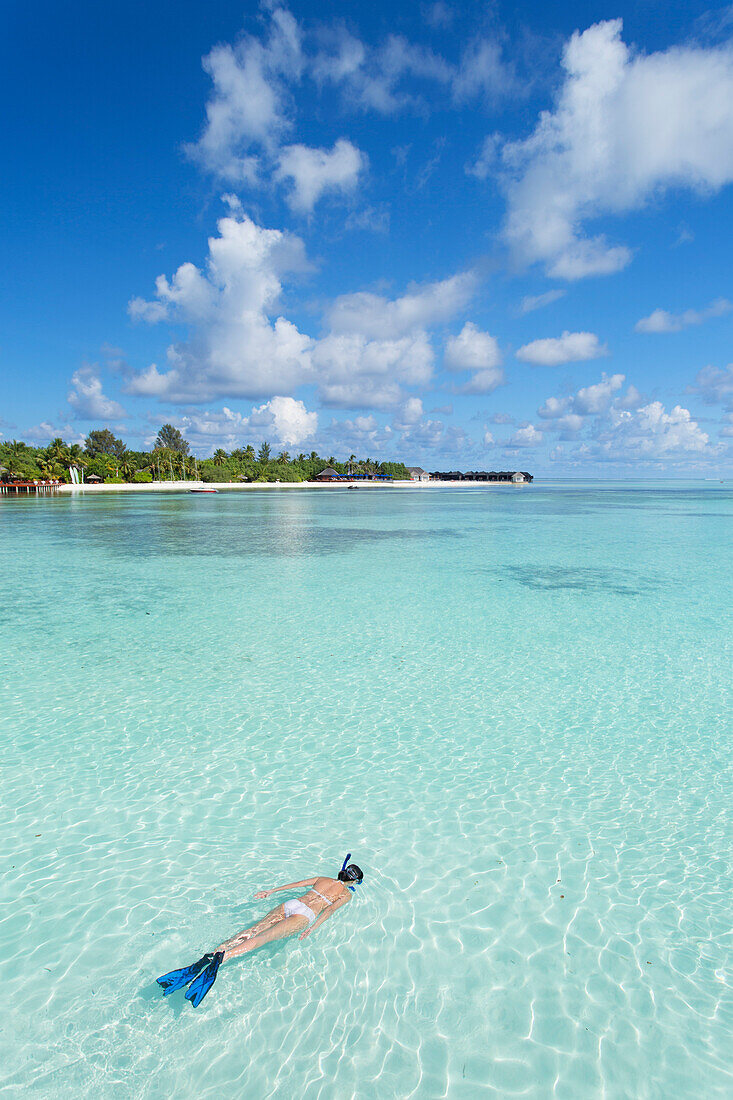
(350,874)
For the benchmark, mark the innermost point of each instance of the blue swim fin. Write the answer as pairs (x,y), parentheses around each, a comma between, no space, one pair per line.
(176,979)
(198,989)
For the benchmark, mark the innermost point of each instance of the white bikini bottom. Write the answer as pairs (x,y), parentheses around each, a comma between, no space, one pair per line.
(297,908)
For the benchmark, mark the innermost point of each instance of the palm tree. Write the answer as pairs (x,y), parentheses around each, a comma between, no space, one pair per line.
(263,455)
(283,457)
(57,451)
(314,456)
(300,459)
(75,456)
(220,457)
(128,470)
(249,453)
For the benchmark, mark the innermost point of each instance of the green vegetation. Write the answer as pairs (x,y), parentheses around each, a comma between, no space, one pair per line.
(170,439)
(103,443)
(107,457)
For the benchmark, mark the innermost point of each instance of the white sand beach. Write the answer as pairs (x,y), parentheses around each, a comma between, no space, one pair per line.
(185,486)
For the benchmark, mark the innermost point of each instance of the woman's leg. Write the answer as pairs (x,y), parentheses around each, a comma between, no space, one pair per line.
(261,925)
(288,926)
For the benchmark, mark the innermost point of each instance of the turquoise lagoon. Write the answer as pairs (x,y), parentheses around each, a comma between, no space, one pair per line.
(512,706)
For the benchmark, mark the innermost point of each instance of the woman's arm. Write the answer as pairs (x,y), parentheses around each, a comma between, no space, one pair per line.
(287,886)
(324,915)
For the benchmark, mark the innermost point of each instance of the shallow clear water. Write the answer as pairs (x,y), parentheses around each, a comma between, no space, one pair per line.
(511,705)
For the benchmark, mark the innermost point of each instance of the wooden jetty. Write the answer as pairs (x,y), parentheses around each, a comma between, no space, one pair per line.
(39,488)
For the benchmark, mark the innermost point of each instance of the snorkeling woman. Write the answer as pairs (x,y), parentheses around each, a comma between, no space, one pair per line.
(298,915)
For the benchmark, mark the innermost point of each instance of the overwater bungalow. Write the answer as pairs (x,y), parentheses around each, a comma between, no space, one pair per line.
(517,477)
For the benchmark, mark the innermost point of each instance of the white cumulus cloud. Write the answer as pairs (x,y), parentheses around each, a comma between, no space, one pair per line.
(360,435)
(281,418)
(625,126)
(314,172)
(247,112)
(571,347)
(554,407)
(250,112)
(484,381)
(477,351)
(619,427)
(569,425)
(433,435)
(472,349)
(650,433)
(377,345)
(659,320)
(46,431)
(289,419)
(526,436)
(88,400)
(569,413)
(591,400)
(355,371)
(235,349)
(715,385)
(240,346)
(377,317)
(409,414)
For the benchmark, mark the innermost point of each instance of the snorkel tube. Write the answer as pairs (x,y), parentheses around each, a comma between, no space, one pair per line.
(341,872)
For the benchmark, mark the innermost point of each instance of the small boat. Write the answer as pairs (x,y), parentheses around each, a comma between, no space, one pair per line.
(203,490)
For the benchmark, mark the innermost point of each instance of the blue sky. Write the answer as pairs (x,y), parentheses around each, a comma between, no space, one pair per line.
(465,236)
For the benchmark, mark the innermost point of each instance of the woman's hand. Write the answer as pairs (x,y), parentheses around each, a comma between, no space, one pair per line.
(262,894)
(303,935)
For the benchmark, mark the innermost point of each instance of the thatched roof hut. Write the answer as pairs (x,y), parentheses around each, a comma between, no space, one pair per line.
(329,474)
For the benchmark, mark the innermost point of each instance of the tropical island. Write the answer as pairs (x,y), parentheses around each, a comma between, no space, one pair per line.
(104,458)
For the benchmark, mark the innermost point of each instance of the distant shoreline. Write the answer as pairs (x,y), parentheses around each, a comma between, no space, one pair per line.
(225,486)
